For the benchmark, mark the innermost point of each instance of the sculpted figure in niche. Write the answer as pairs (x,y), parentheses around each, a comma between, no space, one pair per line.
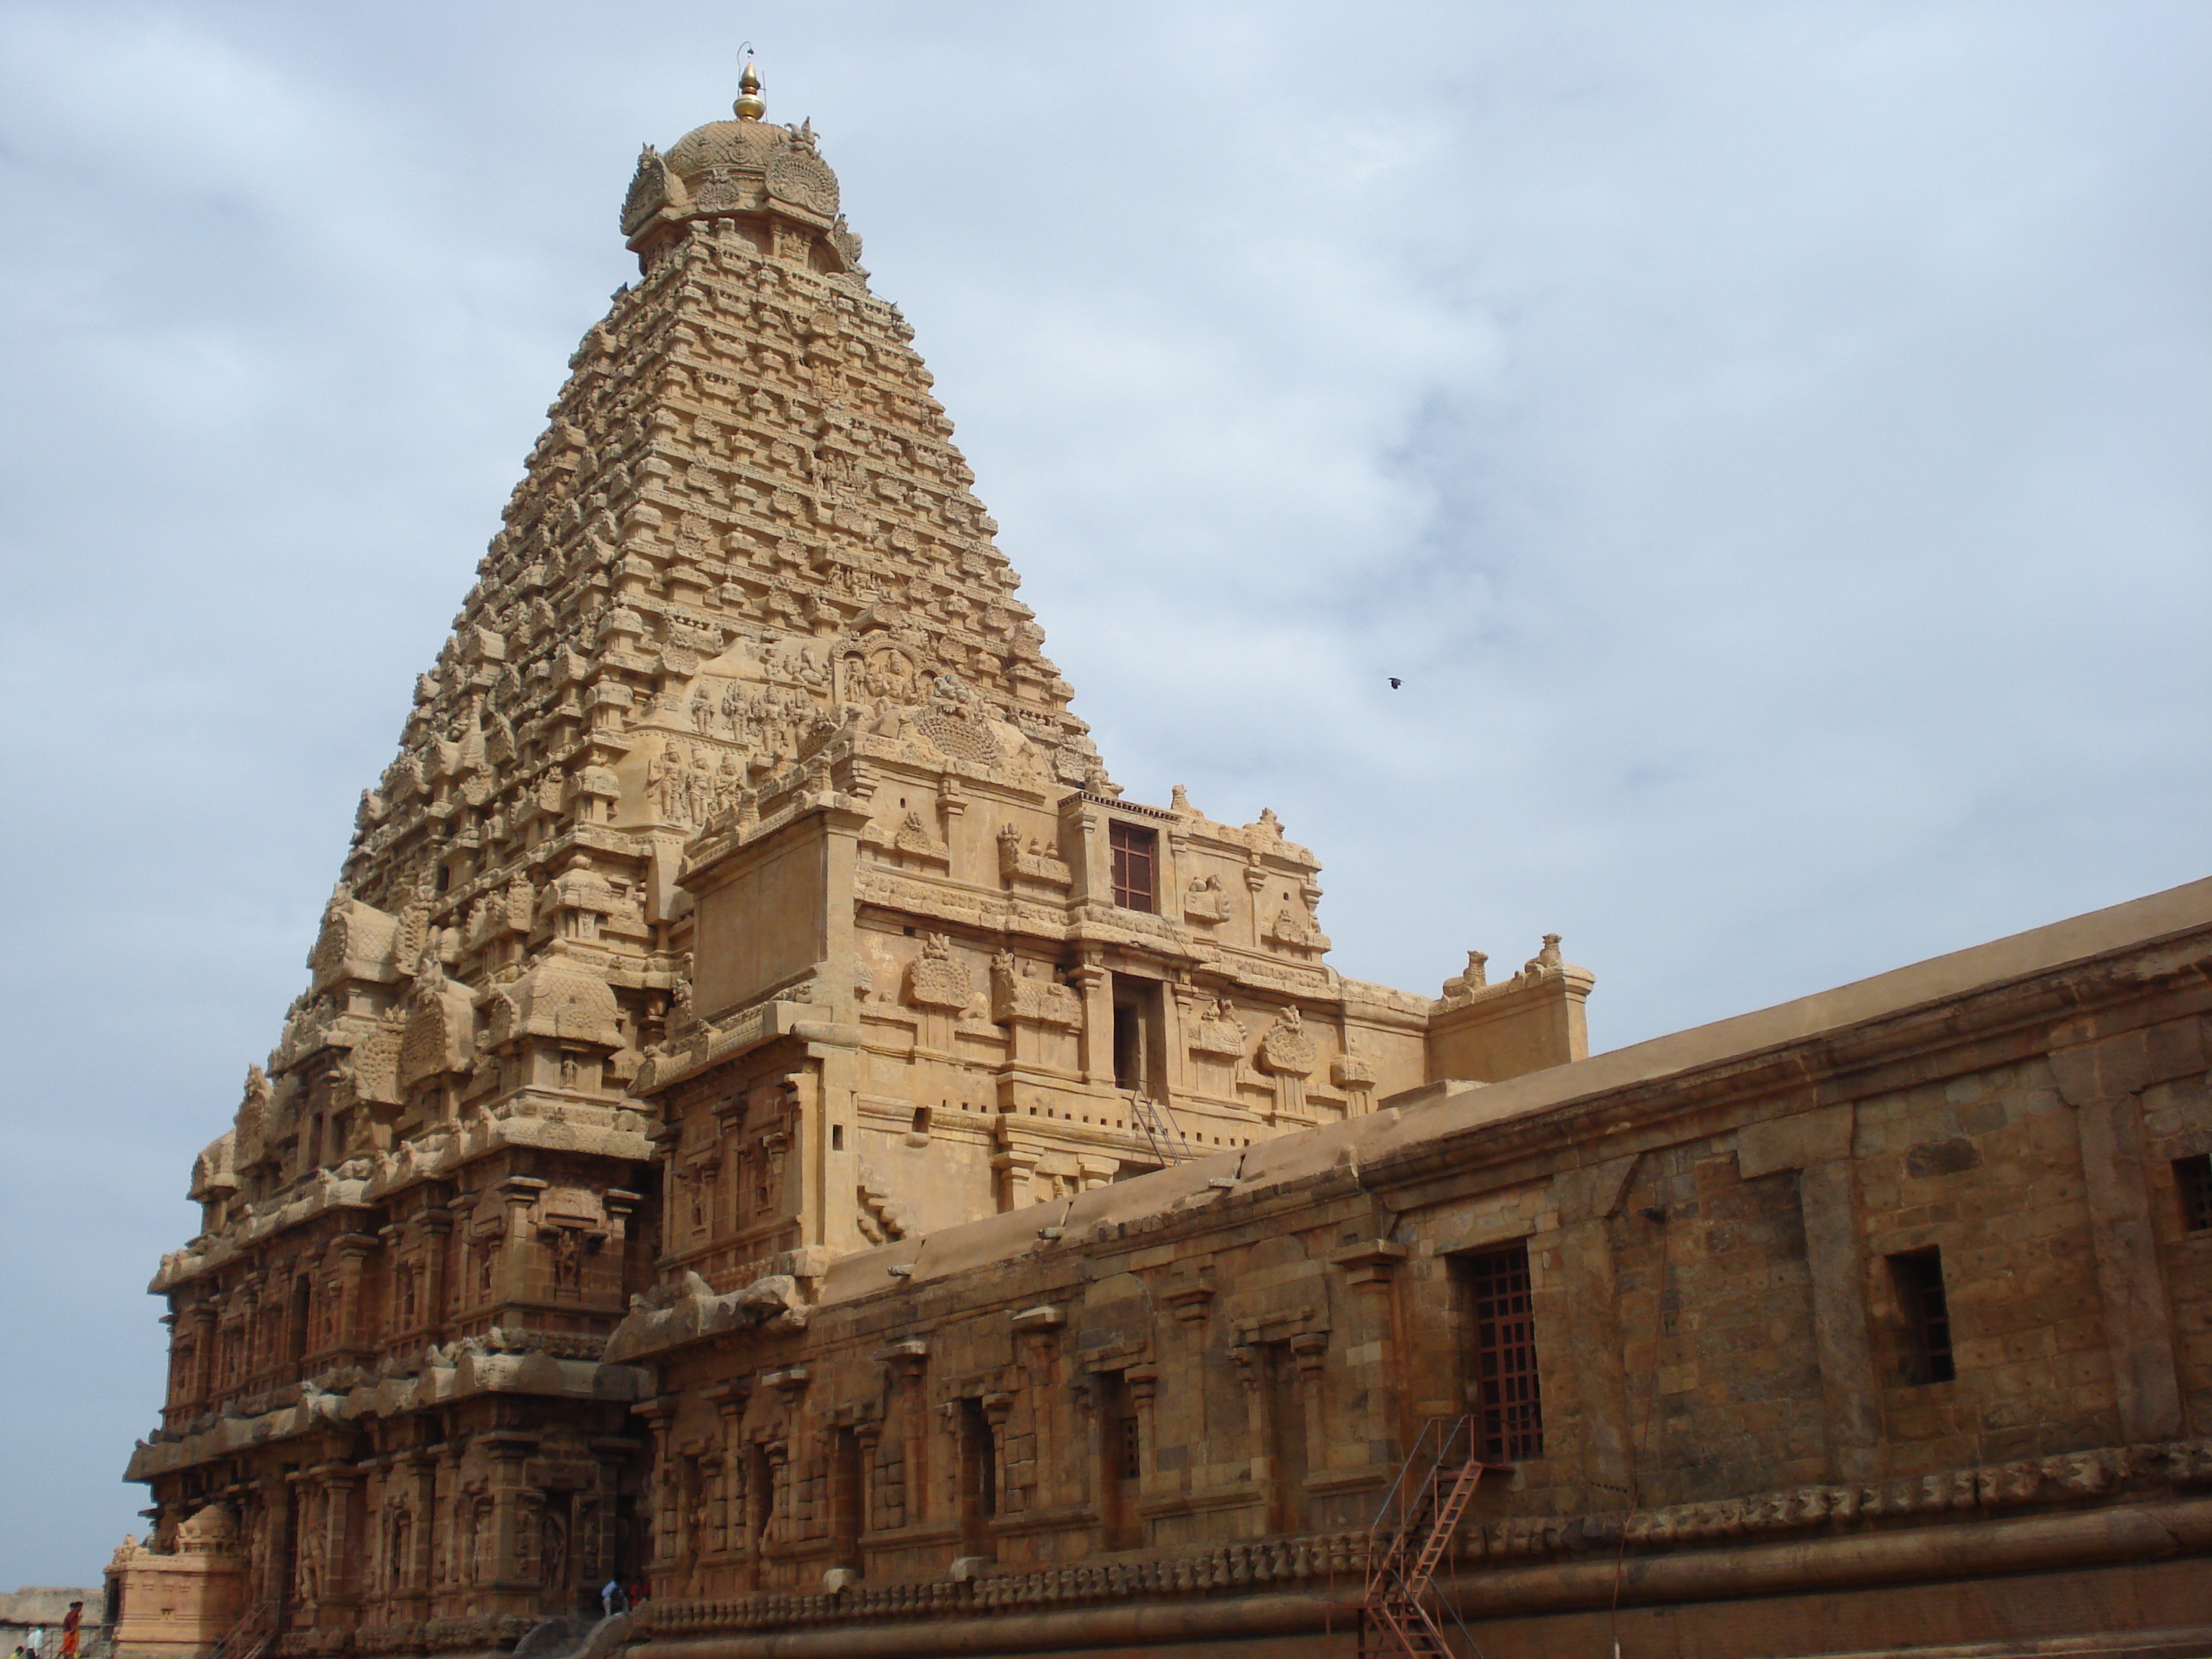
(400,1542)
(664,781)
(552,1549)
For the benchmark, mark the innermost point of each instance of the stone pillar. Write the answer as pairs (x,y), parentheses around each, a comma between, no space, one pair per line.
(1818,1144)
(907,1363)
(1036,1337)
(2100,1081)
(1310,1352)
(727,1518)
(1371,1270)
(517,1194)
(1143,1382)
(1096,986)
(1585,1372)
(1016,1169)
(1251,1362)
(341,1550)
(660,1414)
(776,1503)
(415,1572)
(249,1349)
(508,1451)
(1182,1003)
(352,1251)
(269,1577)
(868,1437)
(204,1344)
(997,1408)
(450,1570)
(437,1232)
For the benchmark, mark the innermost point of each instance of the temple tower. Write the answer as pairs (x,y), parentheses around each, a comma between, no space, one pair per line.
(743,893)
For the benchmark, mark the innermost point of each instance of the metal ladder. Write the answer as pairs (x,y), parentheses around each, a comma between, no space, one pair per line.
(1161,1130)
(1411,1536)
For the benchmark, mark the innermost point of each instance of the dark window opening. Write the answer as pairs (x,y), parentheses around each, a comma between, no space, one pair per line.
(302,1296)
(1120,1463)
(1919,1277)
(845,1498)
(1287,1439)
(2193,1180)
(1139,1045)
(1136,854)
(979,1479)
(1501,1322)
(836,1137)
(760,1494)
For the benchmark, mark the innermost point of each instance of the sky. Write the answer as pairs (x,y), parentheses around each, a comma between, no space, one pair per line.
(1768,441)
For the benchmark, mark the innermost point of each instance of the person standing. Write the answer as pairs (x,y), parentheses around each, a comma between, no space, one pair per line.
(70,1620)
(610,1597)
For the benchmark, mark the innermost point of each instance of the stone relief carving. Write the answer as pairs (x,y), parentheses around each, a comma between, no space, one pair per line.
(1219,1031)
(1038,863)
(1288,1049)
(1204,900)
(939,979)
(1019,992)
(1293,928)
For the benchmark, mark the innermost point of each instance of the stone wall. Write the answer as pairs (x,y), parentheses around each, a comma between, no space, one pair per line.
(1190,1389)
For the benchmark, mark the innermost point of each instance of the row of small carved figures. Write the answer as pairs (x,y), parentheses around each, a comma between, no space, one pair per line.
(2072,1475)
(1229,1566)
(473,1634)
(2062,1478)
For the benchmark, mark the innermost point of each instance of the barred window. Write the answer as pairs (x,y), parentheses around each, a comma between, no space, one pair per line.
(1919,1278)
(1136,852)
(1506,1394)
(1128,1456)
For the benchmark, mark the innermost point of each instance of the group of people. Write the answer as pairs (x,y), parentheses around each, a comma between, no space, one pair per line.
(615,1596)
(35,1648)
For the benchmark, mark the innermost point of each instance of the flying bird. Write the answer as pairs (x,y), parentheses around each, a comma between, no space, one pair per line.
(1396,682)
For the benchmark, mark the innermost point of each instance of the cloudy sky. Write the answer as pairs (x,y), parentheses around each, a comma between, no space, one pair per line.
(1770,441)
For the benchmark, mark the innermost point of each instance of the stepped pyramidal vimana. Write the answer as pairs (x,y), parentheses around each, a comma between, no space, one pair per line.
(777,1154)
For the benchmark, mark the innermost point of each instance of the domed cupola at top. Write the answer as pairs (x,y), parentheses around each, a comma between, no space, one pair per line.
(769,181)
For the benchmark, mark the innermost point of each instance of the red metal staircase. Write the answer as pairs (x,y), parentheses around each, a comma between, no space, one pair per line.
(1413,1536)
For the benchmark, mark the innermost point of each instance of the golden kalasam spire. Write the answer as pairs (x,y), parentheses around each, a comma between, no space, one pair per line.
(750,105)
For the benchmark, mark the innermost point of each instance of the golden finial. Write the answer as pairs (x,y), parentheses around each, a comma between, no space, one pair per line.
(750,105)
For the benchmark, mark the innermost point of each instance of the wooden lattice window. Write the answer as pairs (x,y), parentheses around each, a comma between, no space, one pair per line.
(1509,1400)
(1136,857)
(1919,1278)
(2192,1182)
